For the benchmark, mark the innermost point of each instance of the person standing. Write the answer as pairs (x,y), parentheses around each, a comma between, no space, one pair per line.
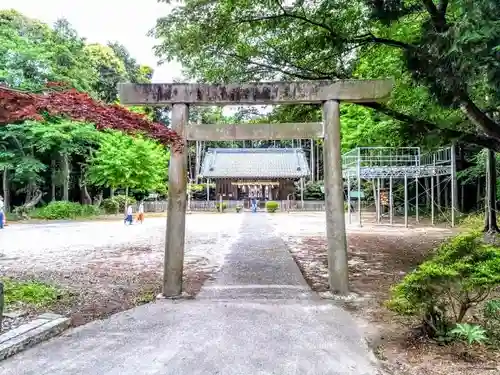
(2,213)
(129,218)
(140,215)
(254,204)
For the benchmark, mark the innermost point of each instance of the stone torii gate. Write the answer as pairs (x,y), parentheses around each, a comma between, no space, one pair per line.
(328,93)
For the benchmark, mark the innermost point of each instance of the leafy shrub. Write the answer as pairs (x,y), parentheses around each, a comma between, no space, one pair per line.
(312,191)
(90,210)
(491,314)
(471,333)
(121,199)
(116,204)
(460,274)
(238,208)
(218,206)
(199,191)
(110,206)
(64,210)
(272,206)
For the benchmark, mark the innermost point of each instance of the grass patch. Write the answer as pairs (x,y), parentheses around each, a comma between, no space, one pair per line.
(31,293)
(146,296)
(472,222)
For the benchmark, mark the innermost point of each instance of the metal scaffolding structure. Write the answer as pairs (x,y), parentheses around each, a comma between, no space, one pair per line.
(388,164)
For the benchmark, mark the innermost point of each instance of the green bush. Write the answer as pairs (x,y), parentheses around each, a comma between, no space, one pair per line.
(238,208)
(116,204)
(312,191)
(272,206)
(218,206)
(64,210)
(110,206)
(90,210)
(121,199)
(460,274)
(491,315)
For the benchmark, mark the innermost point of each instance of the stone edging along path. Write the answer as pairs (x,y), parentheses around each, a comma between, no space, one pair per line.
(42,328)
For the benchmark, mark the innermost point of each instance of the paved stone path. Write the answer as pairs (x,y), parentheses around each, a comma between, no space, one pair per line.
(257,317)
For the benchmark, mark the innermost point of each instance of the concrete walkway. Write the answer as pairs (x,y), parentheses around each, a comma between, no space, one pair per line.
(258,317)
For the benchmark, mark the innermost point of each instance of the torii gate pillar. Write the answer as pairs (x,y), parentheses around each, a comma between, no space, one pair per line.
(327,93)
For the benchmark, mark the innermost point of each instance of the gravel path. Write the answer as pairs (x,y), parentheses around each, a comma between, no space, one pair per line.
(68,246)
(107,266)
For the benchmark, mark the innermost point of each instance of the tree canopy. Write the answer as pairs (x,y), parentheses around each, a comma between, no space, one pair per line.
(57,93)
(128,162)
(443,55)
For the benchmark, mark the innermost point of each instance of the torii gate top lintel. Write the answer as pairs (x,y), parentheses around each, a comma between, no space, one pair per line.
(261,93)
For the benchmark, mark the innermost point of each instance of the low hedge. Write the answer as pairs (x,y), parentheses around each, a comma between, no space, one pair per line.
(64,210)
(218,206)
(272,206)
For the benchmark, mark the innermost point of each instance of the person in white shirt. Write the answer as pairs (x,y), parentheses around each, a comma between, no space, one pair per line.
(129,218)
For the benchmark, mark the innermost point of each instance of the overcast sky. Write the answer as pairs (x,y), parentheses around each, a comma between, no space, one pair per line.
(101,21)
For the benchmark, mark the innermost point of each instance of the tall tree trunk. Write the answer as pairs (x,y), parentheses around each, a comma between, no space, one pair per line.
(462,197)
(65,173)
(478,190)
(53,180)
(6,189)
(490,222)
(84,193)
(97,199)
(112,192)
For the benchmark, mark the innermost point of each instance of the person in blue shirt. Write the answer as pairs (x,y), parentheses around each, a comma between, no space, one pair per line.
(253,201)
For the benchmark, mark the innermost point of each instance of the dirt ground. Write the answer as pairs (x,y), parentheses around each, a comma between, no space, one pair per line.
(106,267)
(378,258)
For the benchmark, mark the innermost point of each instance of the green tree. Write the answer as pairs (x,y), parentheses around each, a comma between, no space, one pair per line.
(110,69)
(22,167)
(123,161)
(28,147)
(32,54)
(447,53)
(62,139)
(136,73)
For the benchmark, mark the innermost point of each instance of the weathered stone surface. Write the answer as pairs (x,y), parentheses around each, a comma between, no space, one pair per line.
(15,314)
(255,93)
(44,327)
(233,132)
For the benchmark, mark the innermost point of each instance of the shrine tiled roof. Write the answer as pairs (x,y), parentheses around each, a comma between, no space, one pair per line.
(255,163)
